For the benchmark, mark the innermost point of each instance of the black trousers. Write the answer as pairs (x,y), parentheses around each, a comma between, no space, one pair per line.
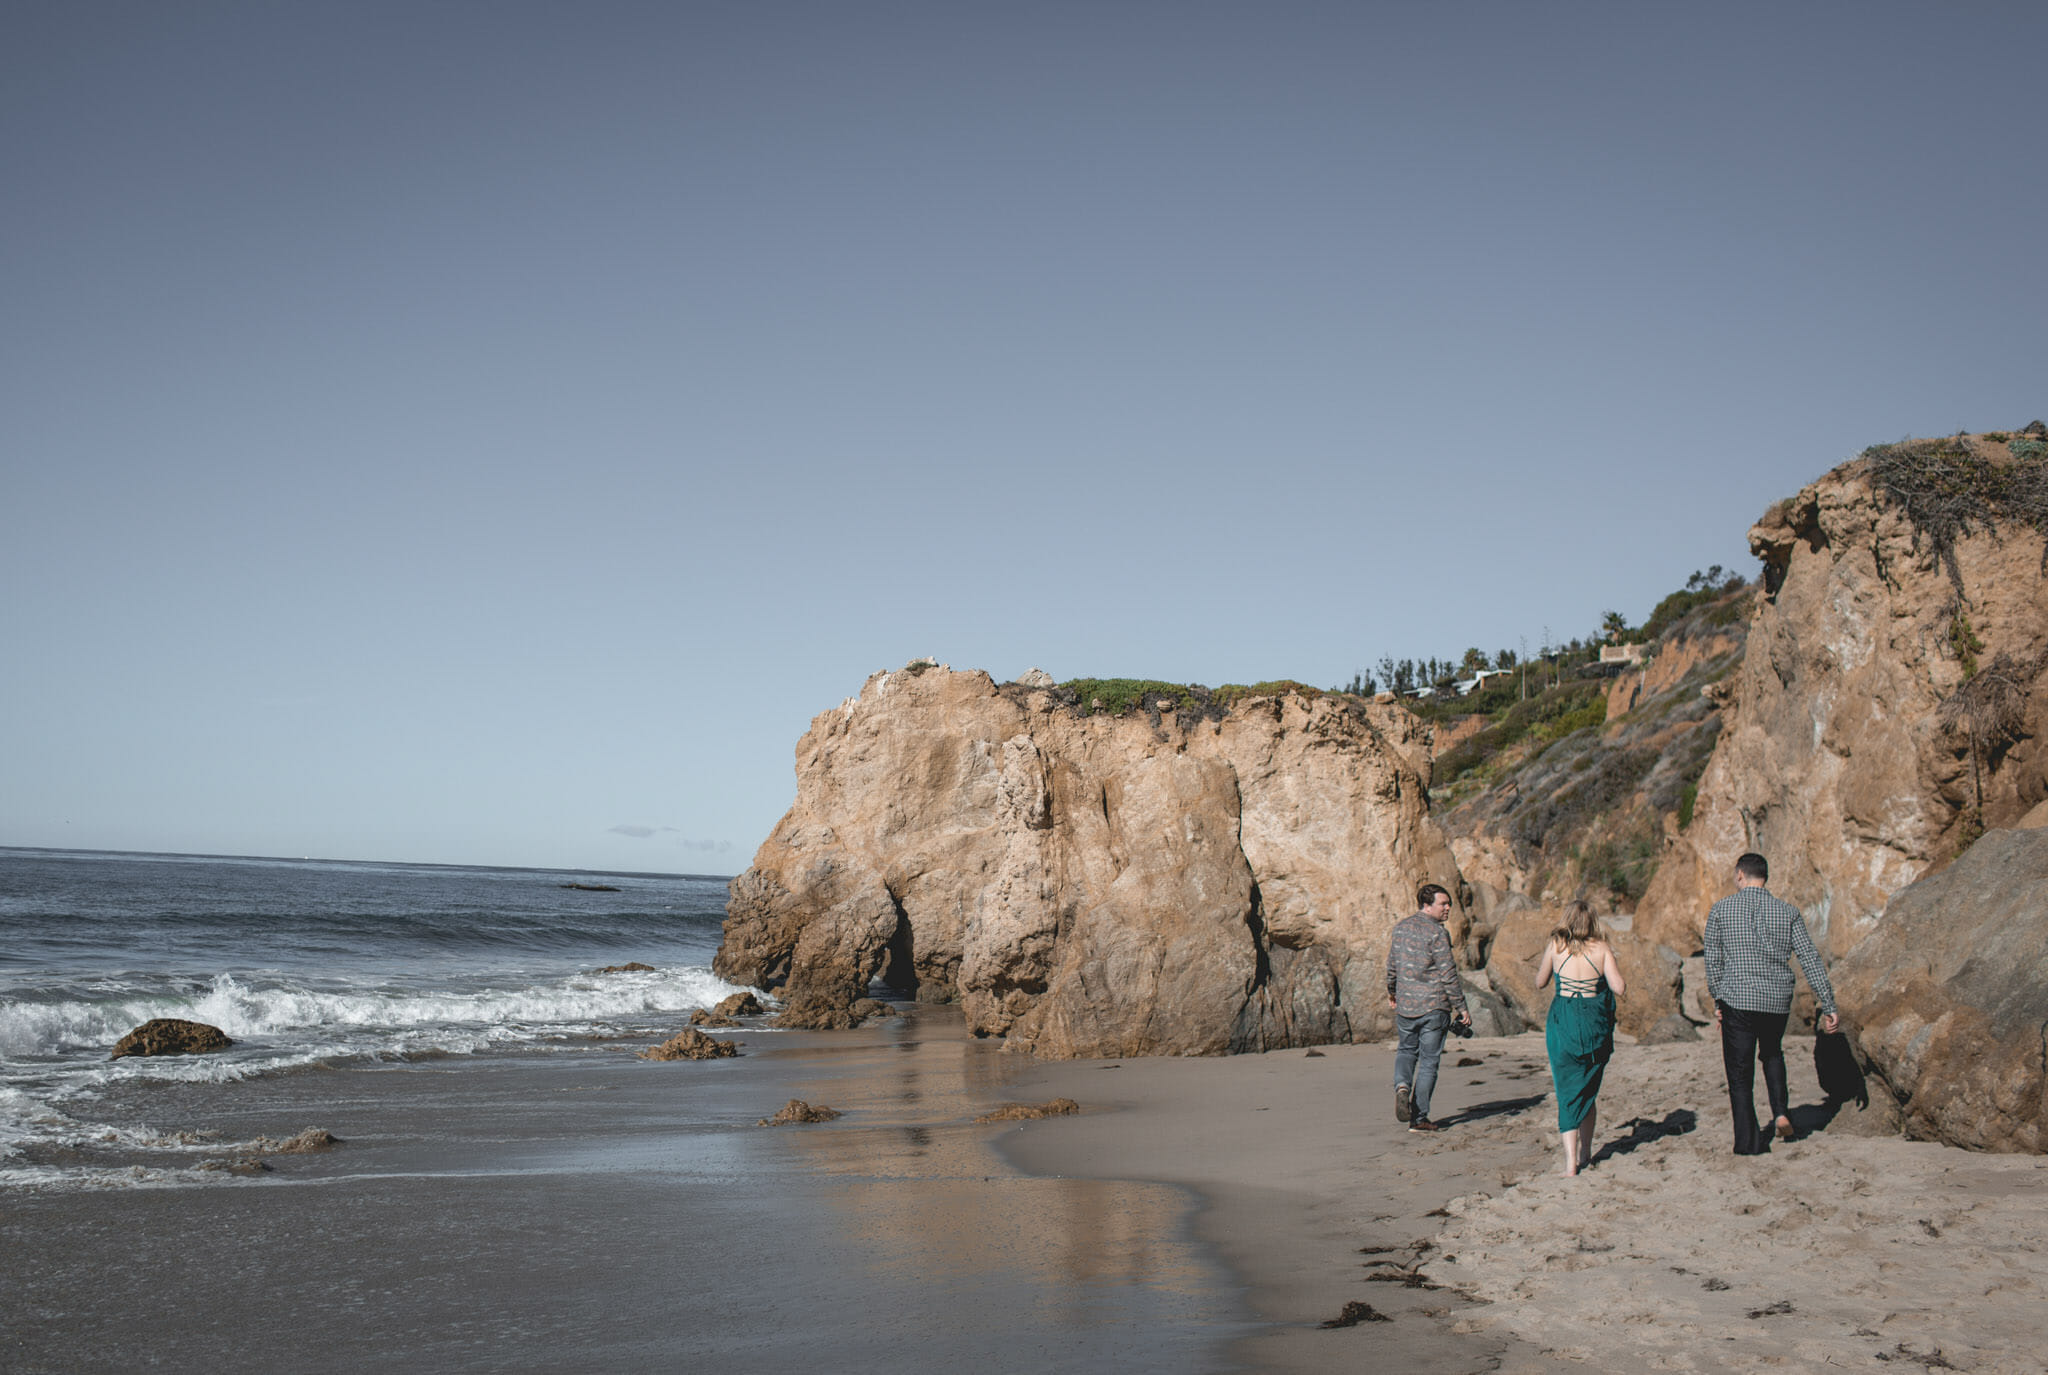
(1748,1039)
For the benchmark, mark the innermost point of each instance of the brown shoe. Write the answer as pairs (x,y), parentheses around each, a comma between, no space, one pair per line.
(1423,1124)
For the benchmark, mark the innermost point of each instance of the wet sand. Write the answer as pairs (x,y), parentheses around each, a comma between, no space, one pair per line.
(1311,1189)
(592,1211)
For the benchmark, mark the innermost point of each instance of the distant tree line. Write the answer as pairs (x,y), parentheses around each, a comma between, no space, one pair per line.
(1437,677)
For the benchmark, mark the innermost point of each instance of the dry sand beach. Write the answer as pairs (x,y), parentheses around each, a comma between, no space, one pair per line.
(1848,1248)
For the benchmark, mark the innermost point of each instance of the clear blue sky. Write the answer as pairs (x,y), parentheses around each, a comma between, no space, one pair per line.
(456,432)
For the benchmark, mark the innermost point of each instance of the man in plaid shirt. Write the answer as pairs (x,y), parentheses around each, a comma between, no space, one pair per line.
(1422,988)
(1750,936)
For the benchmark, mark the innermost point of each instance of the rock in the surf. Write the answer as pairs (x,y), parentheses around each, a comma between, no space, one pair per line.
(796,1110)
(305,1143)
(741,1004)
(704,1016)
(171,1036)
(691,1044)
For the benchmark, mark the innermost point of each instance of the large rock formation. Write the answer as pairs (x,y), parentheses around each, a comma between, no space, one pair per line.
(1949,1001)
(1184,879)
(1177,881)
(1888,705)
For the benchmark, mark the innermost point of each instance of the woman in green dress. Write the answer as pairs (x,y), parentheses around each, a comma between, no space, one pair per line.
(1579,1032)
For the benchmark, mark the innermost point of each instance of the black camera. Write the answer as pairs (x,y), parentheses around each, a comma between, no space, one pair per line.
(1461,1029)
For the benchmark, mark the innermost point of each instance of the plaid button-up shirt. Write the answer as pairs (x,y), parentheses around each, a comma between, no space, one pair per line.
(1422,974)
(1750,936)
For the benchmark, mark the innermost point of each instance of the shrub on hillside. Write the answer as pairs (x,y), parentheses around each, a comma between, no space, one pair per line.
(1701,589)
(1623,863)
(1550,715)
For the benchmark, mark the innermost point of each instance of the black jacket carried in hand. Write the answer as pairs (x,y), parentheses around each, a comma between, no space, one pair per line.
(1834,1064)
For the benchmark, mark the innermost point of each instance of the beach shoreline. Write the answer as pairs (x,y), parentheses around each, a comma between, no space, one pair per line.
(1196,1214)
(586,1209)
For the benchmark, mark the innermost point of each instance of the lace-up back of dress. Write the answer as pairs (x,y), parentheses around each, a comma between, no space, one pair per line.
(1569,987)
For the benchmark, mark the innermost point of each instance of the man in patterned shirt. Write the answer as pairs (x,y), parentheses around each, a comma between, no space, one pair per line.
(1750,936)
(1422,987)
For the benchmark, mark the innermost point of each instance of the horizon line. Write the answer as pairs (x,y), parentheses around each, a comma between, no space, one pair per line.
(382,863)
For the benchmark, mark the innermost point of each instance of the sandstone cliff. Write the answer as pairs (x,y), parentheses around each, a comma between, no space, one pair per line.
(1198,874)
(1180,881)
(1888,705)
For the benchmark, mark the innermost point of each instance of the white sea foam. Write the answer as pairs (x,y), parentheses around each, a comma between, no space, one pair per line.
(332,965)
(249,1010)
(53,1053)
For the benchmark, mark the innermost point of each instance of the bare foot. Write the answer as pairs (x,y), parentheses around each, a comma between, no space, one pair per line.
(1784,1128)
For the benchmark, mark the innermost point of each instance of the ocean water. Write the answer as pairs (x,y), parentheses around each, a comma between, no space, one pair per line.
(514,1188)
(307,964)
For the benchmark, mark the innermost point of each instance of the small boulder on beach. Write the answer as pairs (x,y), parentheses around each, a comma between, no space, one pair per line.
(741,1004)
(797,1110)
(1024,1112)
(691,1044)
(706,1017)
(171,1036)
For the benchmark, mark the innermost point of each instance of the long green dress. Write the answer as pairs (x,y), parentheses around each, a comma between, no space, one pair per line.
(1579,1034)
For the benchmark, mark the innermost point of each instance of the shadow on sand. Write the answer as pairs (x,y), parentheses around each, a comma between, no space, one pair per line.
(1642,1131)
(1499,1107)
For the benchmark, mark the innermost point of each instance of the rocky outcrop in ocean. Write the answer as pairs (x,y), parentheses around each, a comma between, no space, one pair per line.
(1182,879)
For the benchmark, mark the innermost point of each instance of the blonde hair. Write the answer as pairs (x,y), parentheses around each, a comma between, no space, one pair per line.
(1578,929)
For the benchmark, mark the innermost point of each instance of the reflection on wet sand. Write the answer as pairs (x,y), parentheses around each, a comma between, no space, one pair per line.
(932,1198)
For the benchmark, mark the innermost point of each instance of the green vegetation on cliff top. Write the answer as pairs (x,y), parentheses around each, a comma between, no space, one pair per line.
(1119,696)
